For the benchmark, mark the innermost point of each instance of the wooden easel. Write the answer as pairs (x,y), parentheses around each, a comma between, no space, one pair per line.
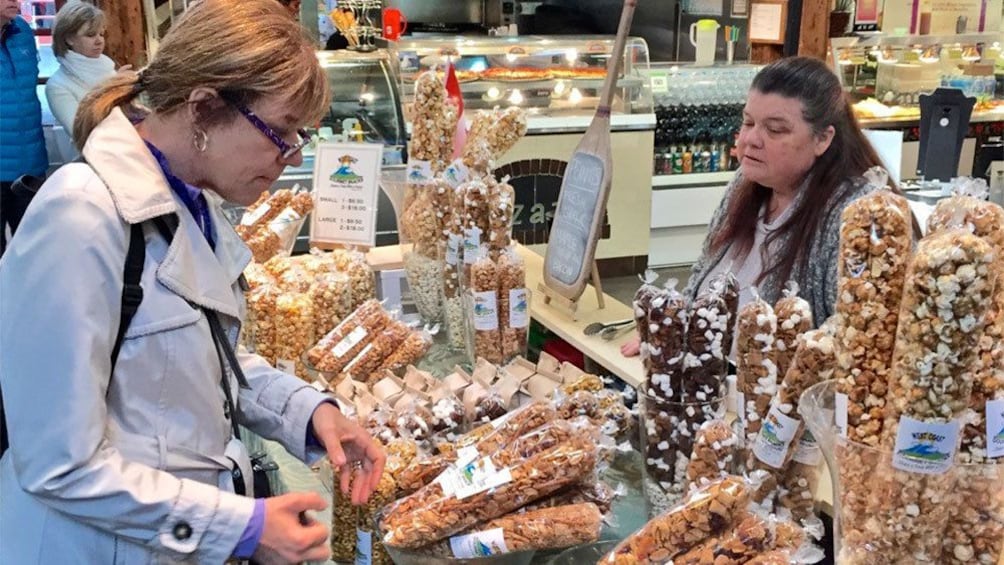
(572,305)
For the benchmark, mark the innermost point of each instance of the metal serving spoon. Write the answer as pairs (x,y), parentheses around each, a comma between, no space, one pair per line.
(597,327)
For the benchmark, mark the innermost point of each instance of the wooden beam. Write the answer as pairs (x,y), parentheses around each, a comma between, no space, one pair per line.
(125,39)
(814,28)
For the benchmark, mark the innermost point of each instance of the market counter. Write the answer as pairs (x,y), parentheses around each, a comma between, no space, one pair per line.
(555,319)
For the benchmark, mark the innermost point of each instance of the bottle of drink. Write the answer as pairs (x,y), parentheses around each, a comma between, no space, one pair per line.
(716,158)
(688,161)
(677,159)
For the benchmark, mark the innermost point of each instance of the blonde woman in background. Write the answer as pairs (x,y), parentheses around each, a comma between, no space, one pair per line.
(78,41)
(136,461)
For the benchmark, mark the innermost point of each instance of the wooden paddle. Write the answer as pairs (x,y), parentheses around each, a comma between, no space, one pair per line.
(582,202)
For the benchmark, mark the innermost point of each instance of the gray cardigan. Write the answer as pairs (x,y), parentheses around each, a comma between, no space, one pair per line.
(817,282)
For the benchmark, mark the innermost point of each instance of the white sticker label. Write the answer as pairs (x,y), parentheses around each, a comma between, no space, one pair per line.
(287,366)
(466,455)
(927,448)
(364,547)
(479,476)
(995,428)
(479,544)
(807,452)
(519,308)
(453,242)
(840,413)
(457,173)
(251,218)
(419,172)
(319,385)
(486,312)
(472,245)
(776,435)
(349,342)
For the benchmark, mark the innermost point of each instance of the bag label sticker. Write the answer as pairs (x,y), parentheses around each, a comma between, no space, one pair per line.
(775,437)
(926,448)
(479,544)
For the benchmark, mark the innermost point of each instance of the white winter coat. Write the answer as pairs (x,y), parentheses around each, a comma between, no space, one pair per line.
(76,76)
(133,470)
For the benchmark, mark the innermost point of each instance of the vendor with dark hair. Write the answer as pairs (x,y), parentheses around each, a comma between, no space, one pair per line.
(802,157)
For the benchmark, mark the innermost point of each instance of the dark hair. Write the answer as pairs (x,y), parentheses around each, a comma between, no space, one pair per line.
(824,104)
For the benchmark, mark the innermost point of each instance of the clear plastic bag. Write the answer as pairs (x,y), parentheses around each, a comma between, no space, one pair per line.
(332,299)
(794,317)
(755,365)
(382,345)
(483,311)
(715,452)
(876,242)
(666,345)
(341,345)
(709,511)
(539,529)
(514,305)
(425,279)
(705,362)
(361,277)
(527,478)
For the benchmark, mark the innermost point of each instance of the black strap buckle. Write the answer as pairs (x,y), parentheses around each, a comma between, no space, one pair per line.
(132,295)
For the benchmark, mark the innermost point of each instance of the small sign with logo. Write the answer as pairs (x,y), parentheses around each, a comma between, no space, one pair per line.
(995,428)
(926,448)
(346,191)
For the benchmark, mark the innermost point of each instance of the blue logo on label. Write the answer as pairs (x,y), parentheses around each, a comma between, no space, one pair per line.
(923,448)
(345,174)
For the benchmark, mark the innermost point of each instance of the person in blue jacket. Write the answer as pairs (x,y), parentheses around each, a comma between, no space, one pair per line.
(22,144)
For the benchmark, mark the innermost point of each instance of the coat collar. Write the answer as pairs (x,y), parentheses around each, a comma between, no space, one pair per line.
(140,192)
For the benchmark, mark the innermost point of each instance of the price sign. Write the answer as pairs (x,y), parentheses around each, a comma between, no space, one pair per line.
(346,184)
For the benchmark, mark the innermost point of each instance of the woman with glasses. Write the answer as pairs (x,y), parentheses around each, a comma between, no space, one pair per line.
(126,450)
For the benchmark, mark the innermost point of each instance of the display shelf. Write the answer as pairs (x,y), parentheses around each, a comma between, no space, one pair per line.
(690,180)
(542,72)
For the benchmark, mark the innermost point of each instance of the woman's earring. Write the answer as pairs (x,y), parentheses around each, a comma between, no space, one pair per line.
(201,140)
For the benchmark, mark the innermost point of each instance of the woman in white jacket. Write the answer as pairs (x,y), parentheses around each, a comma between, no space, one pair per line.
(78,41)
(135,462)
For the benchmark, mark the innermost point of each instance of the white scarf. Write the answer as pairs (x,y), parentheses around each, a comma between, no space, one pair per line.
(86,71)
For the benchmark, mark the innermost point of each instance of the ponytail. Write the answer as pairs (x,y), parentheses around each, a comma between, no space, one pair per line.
(118,91)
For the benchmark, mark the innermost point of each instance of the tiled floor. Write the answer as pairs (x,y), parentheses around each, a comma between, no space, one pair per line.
(623,288)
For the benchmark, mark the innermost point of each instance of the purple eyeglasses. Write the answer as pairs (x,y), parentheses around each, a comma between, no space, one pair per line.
(285,149)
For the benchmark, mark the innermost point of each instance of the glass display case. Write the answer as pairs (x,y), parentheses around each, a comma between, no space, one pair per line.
(559,76)
(365,107)
(885,75)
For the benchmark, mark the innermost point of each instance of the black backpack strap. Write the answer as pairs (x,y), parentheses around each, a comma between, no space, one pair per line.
(132,291)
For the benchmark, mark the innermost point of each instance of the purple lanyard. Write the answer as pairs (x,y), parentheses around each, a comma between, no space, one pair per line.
(193,198)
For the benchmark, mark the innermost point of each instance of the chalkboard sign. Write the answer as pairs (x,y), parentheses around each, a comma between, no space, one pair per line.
(572,243)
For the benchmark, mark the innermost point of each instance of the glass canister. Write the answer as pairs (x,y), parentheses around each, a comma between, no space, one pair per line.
(886,515)
(668,432)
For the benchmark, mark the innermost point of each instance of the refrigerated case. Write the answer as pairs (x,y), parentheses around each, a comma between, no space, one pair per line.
(698,112)
(557,79)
